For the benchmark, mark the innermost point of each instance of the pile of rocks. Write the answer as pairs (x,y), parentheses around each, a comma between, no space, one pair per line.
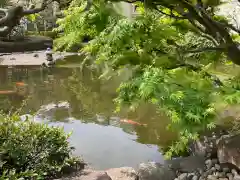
(222,155)
(213,171)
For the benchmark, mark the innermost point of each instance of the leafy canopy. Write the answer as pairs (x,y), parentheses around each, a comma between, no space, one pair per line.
(172,58)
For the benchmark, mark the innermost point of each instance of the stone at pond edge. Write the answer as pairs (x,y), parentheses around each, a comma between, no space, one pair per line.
(155,171)
(206,145)
(95,175)
(228,150)
(88,175)
(183,176)
(123,173)
(187,164)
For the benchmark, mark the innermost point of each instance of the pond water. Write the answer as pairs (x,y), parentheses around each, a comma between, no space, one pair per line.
(88,111)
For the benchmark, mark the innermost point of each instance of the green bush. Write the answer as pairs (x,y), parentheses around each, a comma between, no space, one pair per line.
(29,149)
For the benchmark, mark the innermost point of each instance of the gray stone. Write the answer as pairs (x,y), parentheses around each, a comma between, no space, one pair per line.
(236,177)
(226,169)
(211,177)
(218,167)
(194,178)
(200,171)
(186,164)
(214,161)
(208,163)
(207,173)
(228,150)
(95,175)
(213,169)
(234,172)
(206,144)
(221,174)
(155,171)
(223,178)
(123,173)
(230,176)
(183,176)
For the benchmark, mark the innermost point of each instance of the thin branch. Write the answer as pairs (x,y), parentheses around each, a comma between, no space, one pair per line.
(170,15)
(231,27)
(215,79)
(130,1)
(205,49)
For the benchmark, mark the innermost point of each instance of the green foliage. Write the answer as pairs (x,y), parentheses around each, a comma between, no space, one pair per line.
(79,25)
(32,17)
(32,150)
(170,62)
(165,75)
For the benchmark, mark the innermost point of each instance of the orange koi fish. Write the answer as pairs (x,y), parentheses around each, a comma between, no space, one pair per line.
(7,92)
(128,121)
(20,84)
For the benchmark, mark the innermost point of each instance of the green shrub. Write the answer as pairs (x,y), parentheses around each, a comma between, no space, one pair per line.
(29,149)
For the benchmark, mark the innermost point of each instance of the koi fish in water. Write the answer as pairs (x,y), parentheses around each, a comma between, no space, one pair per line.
(7,92)
(20,84)
(128,121)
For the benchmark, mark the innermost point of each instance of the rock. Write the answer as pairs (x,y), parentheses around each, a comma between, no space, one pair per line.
(183,176)
(95,175)
(214,161)
(230,176)
(213,169)
(206,145)
(236,177)
(234,171)
(123,173)
(218,167)
(220,174)
(208,163)
(87,175)
(194,178)
(36,55)
(228,150)
(187,164)
(155,171)
(211,177)
(226,169)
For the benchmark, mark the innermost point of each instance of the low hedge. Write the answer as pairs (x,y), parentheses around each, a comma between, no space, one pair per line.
(31,150)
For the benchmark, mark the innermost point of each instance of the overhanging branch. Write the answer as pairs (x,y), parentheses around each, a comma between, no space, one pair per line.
(170,15)
(214,78)
(205,49)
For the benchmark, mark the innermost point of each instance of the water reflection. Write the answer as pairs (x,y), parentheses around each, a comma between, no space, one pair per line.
(98,134)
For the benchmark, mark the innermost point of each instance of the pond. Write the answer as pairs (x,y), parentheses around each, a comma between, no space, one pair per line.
(86,108)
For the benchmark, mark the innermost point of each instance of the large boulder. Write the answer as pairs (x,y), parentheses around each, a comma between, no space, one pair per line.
(228,149)
(123,173)
(206,144)
(95,175)
(186,164)
(155,171)
(87,174)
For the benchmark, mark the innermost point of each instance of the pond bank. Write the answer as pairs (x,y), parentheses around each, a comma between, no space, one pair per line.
(34,58)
